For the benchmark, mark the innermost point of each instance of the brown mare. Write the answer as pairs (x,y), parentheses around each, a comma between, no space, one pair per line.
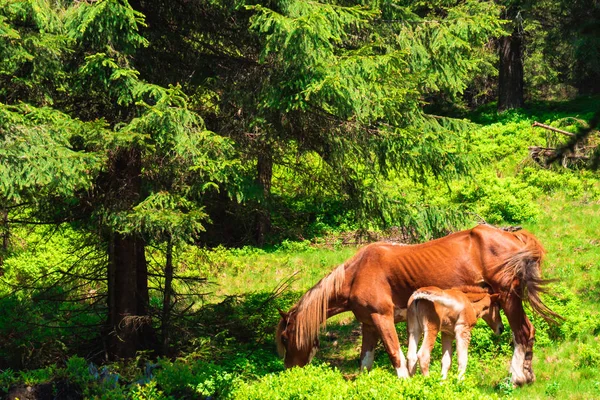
(376,283)
(454,312)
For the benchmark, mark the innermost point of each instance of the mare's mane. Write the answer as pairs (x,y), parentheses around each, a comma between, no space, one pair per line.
(311,310)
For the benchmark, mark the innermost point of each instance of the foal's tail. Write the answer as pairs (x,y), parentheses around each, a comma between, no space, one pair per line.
(524,265)
(436,295)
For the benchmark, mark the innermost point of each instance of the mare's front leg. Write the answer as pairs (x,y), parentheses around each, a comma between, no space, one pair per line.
(387,330)
(524,337)
(370,336)
(446,353)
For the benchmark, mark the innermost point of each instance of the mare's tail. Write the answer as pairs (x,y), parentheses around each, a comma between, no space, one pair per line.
(524,265)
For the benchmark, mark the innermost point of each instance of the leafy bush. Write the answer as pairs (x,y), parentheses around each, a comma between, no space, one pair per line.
(485,344)
(186,378)
(323,382)
(146,392)
(499,200)
(295,246)
(77,371)
(573,184)
(8,378)
(588,356)
(579,320)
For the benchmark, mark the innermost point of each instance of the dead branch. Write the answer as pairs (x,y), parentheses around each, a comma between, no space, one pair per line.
(553,129)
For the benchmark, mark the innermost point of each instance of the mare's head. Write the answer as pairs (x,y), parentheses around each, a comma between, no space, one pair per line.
(488,308)
(291,345)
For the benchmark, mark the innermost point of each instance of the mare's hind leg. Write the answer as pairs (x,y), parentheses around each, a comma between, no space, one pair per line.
(387,330)
(370,336)
(446,353)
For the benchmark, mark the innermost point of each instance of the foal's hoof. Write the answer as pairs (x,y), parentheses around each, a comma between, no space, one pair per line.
(402,372)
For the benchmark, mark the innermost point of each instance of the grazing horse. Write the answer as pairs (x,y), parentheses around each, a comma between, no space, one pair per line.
(376,283)
(454,312)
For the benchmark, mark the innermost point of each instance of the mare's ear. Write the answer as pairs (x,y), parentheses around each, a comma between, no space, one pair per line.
(283,314)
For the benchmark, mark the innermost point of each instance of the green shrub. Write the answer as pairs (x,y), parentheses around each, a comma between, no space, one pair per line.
(77,371)
(552,389)
(194,378)
(295,246)
(310,382)
(579,320)
(573,184)
(146,392)
(588,356)
(323,382)
(7,379)
(485,344)
(499,200)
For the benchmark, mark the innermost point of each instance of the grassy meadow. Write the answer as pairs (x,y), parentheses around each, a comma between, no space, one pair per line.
(226,348)
(566,360)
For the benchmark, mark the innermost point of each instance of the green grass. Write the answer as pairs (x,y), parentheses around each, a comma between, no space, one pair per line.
(569,230)
(264,271)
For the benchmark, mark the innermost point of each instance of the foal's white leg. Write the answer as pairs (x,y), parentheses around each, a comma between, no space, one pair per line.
(463,338)
(424,353)
(446,354)
(414,335)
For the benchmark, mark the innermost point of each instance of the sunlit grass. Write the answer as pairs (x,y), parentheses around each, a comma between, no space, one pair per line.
(569,230)
(266,271)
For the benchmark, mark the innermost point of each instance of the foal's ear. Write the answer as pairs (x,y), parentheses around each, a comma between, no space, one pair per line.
(283,314)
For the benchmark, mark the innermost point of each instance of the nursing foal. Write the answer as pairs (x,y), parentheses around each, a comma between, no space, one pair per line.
(453,311)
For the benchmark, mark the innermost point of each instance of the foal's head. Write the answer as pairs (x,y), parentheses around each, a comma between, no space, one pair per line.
(488,309)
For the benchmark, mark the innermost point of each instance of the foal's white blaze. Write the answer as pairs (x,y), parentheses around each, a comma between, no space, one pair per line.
(517,364)
(367,361)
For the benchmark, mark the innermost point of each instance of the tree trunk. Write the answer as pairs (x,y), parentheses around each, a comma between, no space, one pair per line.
(129,324)
(166,311)
(5,233)
(263,217)
(510,85)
